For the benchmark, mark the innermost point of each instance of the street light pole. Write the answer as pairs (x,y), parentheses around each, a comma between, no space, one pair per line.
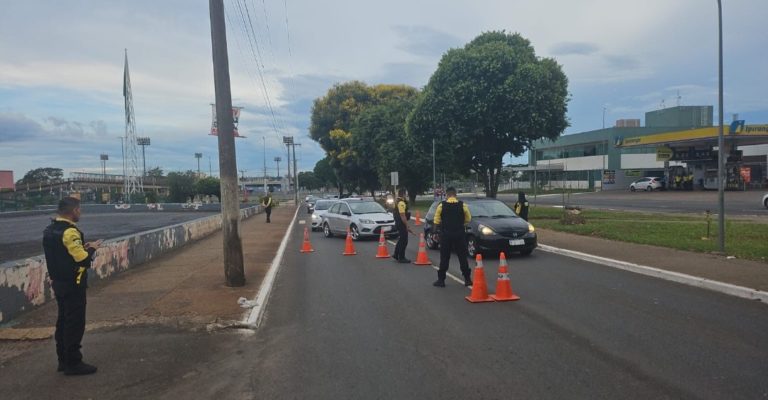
(720,140)
(198,156)
(264,140)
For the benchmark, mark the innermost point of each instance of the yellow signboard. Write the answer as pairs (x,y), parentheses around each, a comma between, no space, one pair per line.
(692,134)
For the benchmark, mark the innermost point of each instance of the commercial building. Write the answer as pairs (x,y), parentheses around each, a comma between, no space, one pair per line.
(675,141)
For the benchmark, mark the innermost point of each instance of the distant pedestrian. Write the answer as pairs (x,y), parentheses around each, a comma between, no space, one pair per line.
(521,206)
(402,215)
(266,202)
(68,258)
(451,219)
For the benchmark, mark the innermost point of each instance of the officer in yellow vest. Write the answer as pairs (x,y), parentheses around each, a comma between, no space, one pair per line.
(451,219)
(267,204)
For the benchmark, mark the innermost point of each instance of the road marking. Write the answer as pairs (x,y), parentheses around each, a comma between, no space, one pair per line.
(436,268)
(301,222)
(253,318)
(690,280)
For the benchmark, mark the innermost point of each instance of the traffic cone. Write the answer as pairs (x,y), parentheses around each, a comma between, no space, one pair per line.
(418,218)
(503,285)
(349,248)
(421,257)
(306,247)
(479,288)
(383,250)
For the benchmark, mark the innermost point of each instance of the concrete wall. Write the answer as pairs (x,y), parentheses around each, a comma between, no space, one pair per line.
(24,284)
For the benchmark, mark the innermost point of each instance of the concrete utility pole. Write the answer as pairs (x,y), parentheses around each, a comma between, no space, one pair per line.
(264,139)
(720,140)
(230,212)
(295,174)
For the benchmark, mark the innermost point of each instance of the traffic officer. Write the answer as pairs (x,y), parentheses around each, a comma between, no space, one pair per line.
(402,215)
(266,202)
(67,258)
(451,218)
(521,206)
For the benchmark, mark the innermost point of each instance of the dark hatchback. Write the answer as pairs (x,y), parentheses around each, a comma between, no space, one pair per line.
(494,228)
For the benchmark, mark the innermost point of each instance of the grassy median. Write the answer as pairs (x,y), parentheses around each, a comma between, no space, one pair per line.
(744,239)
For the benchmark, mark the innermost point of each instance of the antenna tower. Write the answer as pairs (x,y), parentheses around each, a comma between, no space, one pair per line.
(132,182)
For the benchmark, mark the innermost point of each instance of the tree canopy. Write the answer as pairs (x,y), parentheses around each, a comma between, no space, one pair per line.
(492,97)
(43,175)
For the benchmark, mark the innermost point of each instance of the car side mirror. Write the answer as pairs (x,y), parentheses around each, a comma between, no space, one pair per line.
(346,213)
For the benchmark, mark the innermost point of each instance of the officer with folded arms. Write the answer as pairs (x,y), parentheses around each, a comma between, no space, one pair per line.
(451,219)
(68,258)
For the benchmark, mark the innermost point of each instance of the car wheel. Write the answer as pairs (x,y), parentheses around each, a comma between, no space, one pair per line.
(631,188)
(354,232)
(649,188)
(526,252)
(429,238)
(327,230)
(472,249)
(765,203)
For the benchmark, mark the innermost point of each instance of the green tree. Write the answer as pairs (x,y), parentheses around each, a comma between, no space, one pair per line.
(181,185)
(309,181)
(42,175)
(208,186)
(155,172)
(325,174)
(492,97)
(380,134)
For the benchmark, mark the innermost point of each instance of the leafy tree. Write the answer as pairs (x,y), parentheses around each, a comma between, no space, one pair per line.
(325,174)
(155,172)
(309,181)
(208,186)
(380,134)
(42,175)
(181,185)
(490,98)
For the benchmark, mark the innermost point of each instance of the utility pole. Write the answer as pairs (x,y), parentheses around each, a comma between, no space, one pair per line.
(295,174)
(199,156)
(230,212)
(143,142)
(210,168)
(264,139)
(720,140)
(288,162)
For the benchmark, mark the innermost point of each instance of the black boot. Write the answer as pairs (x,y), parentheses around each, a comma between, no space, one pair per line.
(439,283)
(80,368)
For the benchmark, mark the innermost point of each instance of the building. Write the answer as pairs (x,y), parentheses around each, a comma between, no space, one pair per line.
(674,141)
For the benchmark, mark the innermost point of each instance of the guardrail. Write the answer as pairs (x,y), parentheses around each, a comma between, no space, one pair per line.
(24,284)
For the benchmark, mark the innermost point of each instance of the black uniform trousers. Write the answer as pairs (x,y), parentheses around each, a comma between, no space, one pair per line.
(268,211)
(457,243)
(70,324)
(402,239)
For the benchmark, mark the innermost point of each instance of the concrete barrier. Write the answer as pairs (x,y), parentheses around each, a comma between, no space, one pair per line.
(123,208)
(24,284)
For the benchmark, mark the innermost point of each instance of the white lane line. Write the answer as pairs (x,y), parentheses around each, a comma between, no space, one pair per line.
(436,268)
(725,288)
(253,318)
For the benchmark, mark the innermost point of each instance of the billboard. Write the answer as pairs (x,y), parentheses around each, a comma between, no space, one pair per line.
(6,181)
(235,121)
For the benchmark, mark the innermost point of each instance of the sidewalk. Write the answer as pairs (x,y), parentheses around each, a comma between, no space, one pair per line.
(184,288)
(746,273)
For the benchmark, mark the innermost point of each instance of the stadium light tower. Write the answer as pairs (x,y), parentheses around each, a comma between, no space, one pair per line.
(104,158)
(198,156)
(143,142)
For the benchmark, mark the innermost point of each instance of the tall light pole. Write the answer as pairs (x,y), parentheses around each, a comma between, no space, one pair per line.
(143,142)
(277,161)
(104,158)
(264,154)
(720,140)
(198,156)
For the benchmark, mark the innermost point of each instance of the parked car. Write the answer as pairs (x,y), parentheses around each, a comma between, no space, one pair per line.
(494,228)
(648,184)
(362,218)
(765,200)
(320,208)
(310,201)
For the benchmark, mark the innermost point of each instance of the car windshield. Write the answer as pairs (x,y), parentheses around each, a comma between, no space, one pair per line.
(323,205)
(490,209)
(366,207)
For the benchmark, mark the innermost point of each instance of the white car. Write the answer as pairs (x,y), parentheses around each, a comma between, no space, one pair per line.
(765,200)
(321,207)
(647,184)
(362,218)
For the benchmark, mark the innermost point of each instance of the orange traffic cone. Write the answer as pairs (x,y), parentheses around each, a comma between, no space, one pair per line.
(479,288)
(418,218)
(349,248)
(383,250)
(421,257)
(503,285)
(306,247)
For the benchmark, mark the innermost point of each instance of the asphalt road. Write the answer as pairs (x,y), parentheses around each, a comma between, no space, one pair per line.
(362,328)
(22,236)
(736,203)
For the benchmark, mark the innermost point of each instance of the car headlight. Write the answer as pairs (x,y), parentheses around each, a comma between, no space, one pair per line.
(315,217)
(390,201)
(366,221)
(531,228)
(485,230)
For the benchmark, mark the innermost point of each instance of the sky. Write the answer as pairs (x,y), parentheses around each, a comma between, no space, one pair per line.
(61,67)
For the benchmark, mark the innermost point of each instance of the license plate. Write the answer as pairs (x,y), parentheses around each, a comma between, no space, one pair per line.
(516,242)
(386,228)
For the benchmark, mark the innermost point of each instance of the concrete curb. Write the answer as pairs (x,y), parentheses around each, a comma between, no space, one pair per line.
(690,280)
